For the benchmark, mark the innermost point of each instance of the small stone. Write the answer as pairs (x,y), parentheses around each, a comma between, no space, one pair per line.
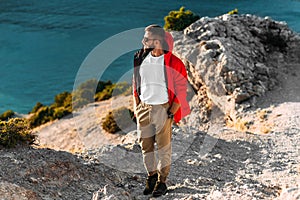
(240,95)
(219,156)
(33,180)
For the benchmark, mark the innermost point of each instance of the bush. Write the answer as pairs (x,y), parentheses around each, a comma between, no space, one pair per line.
(84,94)
(101,85)
(118,120)
(37,106)
(61,107)
(15,131)
(179,20)
(60,112)
(105,94)
(63,100)
(87,93)
(42,116)
(68,103)
(46,114)
(90,91)
(6,115)
(110,124)
(122,88)
(88,85)
(232,12)
(82,97)
(113,89)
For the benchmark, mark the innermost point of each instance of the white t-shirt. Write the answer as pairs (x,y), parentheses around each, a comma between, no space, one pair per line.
(153,82)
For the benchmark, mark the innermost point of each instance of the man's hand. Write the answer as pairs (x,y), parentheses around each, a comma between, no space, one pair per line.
(174,108)
(170,115)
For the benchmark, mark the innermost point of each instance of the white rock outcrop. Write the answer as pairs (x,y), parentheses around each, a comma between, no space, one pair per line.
(236,58)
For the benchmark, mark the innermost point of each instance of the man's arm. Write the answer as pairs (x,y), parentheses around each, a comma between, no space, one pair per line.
(180,86)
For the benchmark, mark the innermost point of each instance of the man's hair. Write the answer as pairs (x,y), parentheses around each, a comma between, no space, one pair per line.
(156,30)
(159,33)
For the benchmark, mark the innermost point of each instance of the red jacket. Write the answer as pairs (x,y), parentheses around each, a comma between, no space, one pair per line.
(175,74)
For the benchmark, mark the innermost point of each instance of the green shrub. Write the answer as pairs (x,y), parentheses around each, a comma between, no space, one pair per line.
(90,90)
(15,131)
(122,88)
(61,112)
(117,120)
(88,85)
(37,106)
(84,93)
(104,94)
(63,100)
(110,124)
(81,98)
(101,85)
(232,12)
(179,20)
(42,116)
(87,93)
(61,107)
(68,103)
(6,115)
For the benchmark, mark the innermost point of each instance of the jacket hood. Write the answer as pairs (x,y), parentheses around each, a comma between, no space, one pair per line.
(169,40)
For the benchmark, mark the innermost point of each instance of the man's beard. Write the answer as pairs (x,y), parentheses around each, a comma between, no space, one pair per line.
(148,49)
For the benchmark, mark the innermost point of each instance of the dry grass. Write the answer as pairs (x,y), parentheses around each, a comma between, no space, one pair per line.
(258,123)
(239,124)
(265,129)
(262,115)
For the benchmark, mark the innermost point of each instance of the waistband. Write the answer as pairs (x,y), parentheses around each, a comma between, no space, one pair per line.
(165,105)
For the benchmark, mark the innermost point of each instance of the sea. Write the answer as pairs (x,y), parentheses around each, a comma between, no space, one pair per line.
(43,44)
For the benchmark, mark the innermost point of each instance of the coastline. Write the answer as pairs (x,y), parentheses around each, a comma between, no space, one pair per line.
(243,145)
(60,42)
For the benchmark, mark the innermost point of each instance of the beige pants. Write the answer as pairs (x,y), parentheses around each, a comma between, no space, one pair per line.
(153,125)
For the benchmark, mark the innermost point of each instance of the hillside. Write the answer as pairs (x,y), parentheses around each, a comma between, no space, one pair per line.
(241,141)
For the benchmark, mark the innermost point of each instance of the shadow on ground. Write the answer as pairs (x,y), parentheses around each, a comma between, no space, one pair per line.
(230,163)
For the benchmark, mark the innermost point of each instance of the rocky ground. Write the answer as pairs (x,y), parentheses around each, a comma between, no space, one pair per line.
(223,164)
(254,156)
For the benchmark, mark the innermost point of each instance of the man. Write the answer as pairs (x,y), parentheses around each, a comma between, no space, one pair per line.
(159,86)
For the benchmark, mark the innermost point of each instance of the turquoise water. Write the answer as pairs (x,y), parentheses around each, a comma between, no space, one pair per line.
(43,43)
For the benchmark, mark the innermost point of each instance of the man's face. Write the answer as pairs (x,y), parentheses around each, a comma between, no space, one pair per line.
(149,40)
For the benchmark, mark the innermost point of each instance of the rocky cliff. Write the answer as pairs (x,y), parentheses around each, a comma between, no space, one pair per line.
(241,140)
(234,60)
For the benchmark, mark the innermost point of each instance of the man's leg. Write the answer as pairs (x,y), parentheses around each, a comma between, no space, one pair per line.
(147,145)
(146,134)
(147,140)
(163,127)
(164,146)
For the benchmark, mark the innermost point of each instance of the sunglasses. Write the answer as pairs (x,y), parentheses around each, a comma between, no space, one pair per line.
(148,39)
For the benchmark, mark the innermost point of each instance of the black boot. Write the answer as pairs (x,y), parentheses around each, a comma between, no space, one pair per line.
(160,189)
(150,184)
